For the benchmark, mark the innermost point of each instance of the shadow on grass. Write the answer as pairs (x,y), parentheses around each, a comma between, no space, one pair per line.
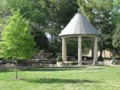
(50,69)
(6,70)
(40,69)
(59,68)
(54,80)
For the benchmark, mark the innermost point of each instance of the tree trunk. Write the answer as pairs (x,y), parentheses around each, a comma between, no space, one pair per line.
(92,52)
(16,69)
(101,53)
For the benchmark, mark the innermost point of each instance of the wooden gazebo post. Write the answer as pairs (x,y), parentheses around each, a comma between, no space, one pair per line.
(64,49)
(79,50)
(95,55)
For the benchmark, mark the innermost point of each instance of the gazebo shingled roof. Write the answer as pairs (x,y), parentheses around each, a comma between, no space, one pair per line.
(79,25)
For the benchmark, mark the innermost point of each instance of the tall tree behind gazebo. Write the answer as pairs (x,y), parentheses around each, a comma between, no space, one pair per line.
(101,13)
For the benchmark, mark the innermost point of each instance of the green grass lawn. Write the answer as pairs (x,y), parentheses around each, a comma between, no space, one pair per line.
(88,78)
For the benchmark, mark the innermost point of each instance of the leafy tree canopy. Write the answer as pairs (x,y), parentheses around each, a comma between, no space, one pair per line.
(103,15)
(32,11)
(116,37)
(17,41)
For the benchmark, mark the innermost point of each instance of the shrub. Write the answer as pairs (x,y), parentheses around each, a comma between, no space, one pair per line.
(100,58)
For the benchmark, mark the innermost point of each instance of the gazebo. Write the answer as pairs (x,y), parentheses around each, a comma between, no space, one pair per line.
(79,27)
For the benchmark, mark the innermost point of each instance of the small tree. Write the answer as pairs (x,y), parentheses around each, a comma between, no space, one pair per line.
(16,39)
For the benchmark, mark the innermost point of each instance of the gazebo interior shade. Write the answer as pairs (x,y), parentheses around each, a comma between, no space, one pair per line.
(79,25)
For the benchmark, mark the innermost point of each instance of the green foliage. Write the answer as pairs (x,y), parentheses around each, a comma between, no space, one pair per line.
(49,16)
(17,41)
(59,14)
(116,12)
(100,58)
(32,11)
(72,47)
(52,16)
(86,46)
(116,37)
(55,46)
(102,14)
(40,39)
